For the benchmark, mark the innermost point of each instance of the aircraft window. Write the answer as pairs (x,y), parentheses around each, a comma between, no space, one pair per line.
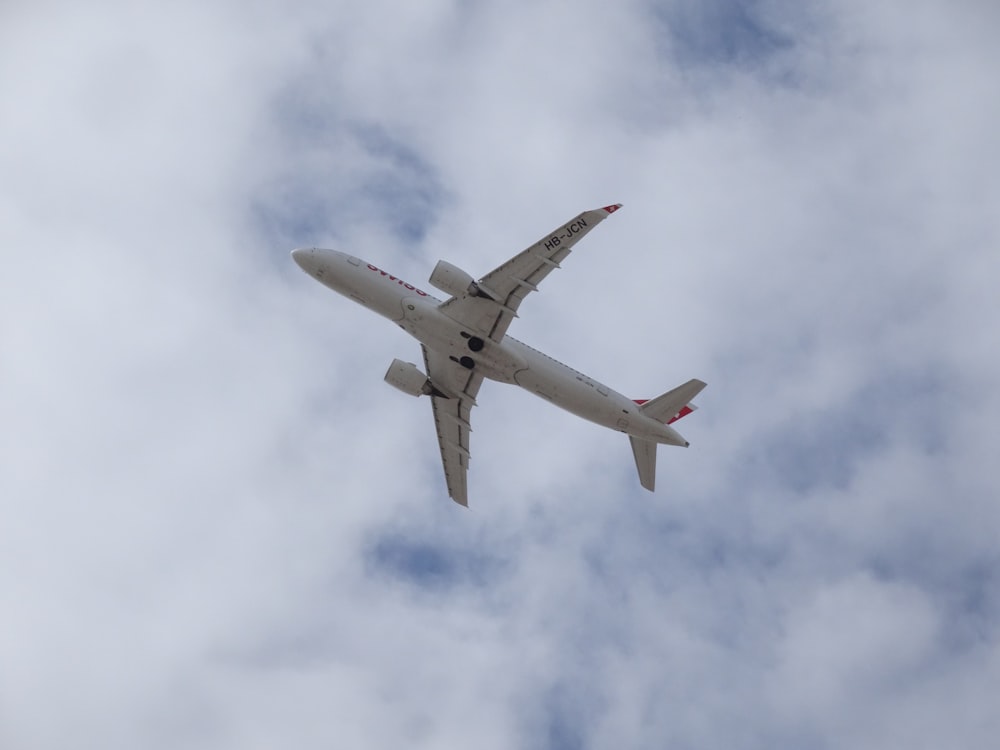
(353,261)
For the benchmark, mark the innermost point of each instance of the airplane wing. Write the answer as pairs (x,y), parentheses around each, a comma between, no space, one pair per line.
(509,284)
(451,418)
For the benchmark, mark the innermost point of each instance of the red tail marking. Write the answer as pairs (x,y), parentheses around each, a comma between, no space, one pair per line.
(682,413)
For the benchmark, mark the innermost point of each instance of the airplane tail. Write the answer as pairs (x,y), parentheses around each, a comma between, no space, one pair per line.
(666,408)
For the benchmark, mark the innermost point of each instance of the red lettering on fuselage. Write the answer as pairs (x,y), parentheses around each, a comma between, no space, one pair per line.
(402,283)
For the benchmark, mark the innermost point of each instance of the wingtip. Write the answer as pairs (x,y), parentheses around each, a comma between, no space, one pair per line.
(613,207)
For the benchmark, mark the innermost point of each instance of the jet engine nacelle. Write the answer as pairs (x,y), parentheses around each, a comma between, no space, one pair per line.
(406,377)
(453,280)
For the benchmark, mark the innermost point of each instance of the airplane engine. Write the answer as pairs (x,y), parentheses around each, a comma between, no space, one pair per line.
(453,280)
(406,377)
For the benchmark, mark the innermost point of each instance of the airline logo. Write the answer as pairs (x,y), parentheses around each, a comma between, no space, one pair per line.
(402,283)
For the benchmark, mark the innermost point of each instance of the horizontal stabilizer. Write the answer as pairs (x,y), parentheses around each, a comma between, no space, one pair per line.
(645,461)
(669,407)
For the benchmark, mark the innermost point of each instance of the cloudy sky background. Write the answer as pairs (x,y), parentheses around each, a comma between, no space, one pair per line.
(221,529)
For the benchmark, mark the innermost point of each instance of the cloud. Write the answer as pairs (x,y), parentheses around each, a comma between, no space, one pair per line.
(221,529)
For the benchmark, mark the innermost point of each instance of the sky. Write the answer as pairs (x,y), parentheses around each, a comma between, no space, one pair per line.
(219,528)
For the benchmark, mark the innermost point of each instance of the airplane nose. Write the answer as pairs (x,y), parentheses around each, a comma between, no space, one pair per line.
(305,257)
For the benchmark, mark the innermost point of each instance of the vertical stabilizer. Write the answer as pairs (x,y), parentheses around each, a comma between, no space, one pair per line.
(645,461)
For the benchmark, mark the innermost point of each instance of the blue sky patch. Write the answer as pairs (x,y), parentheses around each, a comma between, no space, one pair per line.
(430,564)
(719,32)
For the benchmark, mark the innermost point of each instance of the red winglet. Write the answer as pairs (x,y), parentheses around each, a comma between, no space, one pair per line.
(612,209)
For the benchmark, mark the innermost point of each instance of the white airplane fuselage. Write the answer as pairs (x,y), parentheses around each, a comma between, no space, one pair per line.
(506,361)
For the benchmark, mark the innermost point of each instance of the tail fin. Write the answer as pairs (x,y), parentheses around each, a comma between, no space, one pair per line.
(667,408)
(673,405)
(645,461)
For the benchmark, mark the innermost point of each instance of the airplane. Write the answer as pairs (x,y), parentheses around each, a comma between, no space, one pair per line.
(464,341)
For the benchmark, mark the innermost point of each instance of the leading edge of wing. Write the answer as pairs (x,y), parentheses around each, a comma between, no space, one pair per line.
(522,273)
(508,284)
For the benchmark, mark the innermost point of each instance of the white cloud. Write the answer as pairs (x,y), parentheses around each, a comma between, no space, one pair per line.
(221,529)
